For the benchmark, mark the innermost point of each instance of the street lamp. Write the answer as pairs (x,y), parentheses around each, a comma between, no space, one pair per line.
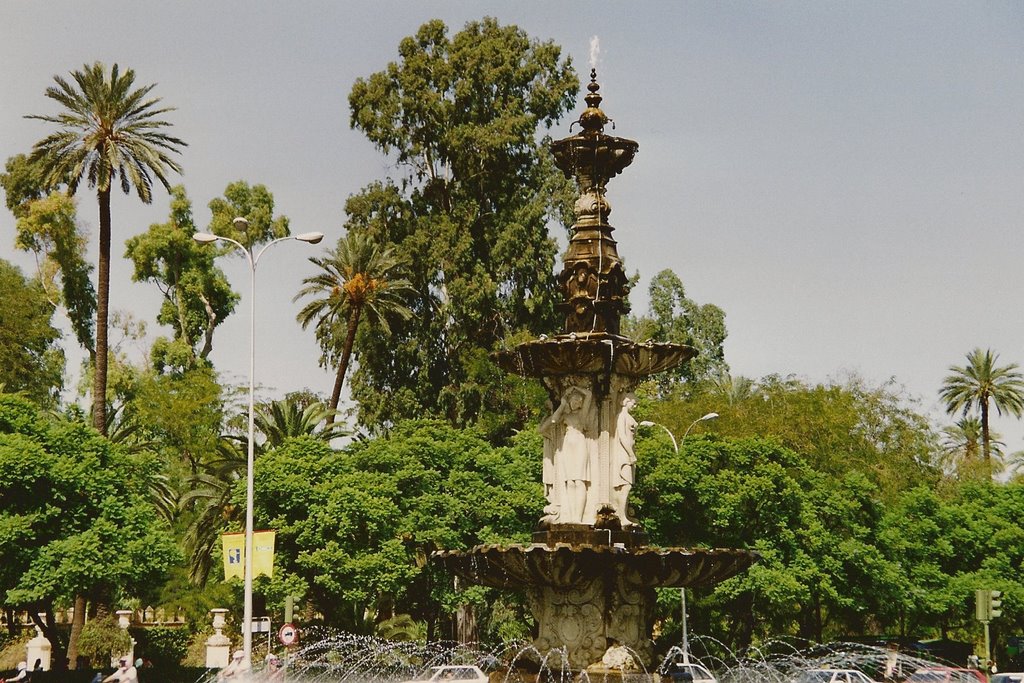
(242,224)
(682,591)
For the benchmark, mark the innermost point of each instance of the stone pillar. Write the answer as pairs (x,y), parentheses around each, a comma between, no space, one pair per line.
(38,648)
(218,646)
(124,620)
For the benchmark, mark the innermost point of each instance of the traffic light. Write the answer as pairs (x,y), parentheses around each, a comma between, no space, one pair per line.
(994,604)
(987,605)
(982,604)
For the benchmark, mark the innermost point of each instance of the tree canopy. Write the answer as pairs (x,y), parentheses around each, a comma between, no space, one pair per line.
(461,117)
(75,513)
(30,359)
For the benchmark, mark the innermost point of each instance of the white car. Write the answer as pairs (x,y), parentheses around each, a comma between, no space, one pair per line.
(832,676)
(691,671)
(452,672)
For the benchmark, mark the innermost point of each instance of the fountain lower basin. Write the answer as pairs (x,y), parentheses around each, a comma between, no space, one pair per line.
(588,597)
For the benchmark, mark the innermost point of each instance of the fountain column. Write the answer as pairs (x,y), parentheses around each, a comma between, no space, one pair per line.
(589,575)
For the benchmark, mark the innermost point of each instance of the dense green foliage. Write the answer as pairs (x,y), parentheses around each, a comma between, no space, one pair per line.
(47,226)
(460,116)
(30,360)
(75,514)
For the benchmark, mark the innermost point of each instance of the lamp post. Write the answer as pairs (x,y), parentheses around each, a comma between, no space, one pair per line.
(242,224)
(675,446)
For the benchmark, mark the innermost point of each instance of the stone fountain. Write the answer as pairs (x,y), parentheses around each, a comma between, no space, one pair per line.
(589,575)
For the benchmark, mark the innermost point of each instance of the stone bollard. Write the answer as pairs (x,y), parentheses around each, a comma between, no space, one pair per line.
(38,648)
(218,646)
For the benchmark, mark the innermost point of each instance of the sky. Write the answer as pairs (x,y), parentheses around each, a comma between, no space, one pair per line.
(844,179)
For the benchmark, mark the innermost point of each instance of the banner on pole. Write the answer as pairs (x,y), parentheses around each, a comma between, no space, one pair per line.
(234,555)
(262,554)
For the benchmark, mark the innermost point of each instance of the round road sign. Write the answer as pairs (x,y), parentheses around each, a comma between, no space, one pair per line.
(288,634)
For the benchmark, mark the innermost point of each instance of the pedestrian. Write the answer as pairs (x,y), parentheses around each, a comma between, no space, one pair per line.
(236,668)
(275,668)
(126,672)
(21,673)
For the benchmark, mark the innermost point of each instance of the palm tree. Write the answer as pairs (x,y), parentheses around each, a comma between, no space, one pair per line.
(287,418)
(357,278)
(961,447)
(108,130)
(208,502)
(980,383)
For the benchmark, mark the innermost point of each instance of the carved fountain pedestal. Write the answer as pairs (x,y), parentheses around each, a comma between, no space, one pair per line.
(589,575)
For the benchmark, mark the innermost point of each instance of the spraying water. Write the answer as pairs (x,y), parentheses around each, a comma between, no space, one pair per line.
(595,51)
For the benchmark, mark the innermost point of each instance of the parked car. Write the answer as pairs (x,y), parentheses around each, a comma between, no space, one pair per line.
(947,674)
(832,676)
(465,673)
(684,672)
(1008,677)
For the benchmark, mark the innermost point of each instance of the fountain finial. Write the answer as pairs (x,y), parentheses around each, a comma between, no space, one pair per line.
(592,120)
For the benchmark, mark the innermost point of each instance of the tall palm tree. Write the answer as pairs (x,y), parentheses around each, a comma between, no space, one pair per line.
(980,383)
(357,278)
(108,130)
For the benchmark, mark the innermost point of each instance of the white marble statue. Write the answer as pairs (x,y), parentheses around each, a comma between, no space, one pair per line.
(552,433)
(577,417)
(622,459)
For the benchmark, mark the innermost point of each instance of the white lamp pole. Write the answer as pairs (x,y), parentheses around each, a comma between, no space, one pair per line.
(675,446)
(205,238)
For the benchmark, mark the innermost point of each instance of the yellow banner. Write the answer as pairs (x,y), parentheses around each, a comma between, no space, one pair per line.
(234,555)
(262,554)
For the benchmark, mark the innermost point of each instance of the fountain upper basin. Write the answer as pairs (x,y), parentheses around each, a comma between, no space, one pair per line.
(591,353)
(562,564)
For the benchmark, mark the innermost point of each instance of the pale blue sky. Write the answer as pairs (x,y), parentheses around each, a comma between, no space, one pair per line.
(843,179)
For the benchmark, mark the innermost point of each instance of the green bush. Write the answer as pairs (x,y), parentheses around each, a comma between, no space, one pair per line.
(102,639)
(162,646)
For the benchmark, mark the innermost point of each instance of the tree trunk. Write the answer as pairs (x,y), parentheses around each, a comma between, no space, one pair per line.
(985,447)
(346,353)
(99,384)
(77,622)
(48,626)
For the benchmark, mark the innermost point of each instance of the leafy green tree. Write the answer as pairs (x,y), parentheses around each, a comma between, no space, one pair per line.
(678,319)
(47,226)
(75,518)
(460,117)
(356,279)
(254,203)
(107,130)
(197,296)
(979,384)
(30,360)
(837,427)
(358,526)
